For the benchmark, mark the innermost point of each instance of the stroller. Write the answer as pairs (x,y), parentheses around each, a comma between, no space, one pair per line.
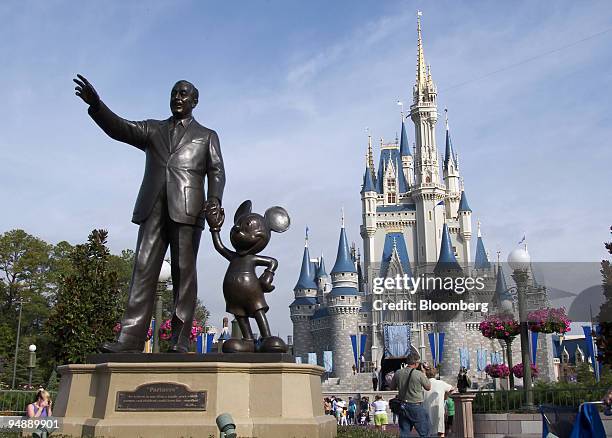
(569,422)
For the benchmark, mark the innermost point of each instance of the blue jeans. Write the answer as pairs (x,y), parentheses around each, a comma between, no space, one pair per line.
(413,415)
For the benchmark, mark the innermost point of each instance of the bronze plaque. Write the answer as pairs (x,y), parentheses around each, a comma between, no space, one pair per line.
(162,396)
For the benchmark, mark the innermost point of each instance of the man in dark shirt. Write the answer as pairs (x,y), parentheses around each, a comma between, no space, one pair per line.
(410,383)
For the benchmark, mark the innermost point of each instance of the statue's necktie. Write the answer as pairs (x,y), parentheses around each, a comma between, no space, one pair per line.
(177,133)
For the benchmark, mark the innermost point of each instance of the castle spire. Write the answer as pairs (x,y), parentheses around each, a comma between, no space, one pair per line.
(481,260)
(447,259)
(421,73)
(404,145)
(344,261)
(449,157)
(307,275)
(370,155)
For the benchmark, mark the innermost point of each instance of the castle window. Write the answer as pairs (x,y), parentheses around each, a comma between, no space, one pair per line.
(391,198)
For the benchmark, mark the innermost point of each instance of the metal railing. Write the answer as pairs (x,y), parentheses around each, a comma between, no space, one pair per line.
(500,401)
(15,402)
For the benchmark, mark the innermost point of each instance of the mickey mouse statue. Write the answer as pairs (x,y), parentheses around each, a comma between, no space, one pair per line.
(242,288)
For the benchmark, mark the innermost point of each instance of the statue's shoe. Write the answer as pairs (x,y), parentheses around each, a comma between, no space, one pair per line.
(272,344)
(178,348)
(237,345)
(120,347)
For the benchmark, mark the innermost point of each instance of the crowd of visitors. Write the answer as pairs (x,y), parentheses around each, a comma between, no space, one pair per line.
(423,402)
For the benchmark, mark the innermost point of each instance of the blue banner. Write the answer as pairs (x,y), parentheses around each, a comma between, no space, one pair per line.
(464,357)
(362,345)
(432,346)
(200,344)
(534,346)
(588,339)
(328,363)
(496,358)
(354,345)
(312,358)
(153,332)
(298,359)
(397,340)
(210,340)
(440,347)
(481,359)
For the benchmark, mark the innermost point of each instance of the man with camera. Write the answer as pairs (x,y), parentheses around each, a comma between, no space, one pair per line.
(410,382)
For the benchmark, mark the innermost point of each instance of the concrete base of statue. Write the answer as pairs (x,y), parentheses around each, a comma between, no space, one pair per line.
(162,395)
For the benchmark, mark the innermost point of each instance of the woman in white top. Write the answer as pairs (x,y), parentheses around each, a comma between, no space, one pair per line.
(434,401)
(380,412)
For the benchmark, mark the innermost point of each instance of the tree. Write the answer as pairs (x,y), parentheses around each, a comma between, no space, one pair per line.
(604,340)
(87,304)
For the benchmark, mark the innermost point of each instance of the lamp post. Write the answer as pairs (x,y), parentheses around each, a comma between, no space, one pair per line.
(31,362)
(165,274)
(519,260)
(17,343)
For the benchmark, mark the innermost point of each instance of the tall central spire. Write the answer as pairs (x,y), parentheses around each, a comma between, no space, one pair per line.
(421,73)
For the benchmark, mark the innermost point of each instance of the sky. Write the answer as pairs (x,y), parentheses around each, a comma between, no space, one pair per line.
(290,87)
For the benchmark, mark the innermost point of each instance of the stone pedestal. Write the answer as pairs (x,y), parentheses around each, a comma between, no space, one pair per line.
(148,397)
(463,425)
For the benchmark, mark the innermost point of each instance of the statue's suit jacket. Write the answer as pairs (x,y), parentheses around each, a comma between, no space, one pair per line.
(181,168)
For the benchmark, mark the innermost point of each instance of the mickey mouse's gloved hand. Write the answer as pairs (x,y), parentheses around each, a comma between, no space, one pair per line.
(266,280)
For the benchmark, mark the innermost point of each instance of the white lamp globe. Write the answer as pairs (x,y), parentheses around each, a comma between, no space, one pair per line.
(32,348)
(165,273)
(519,259)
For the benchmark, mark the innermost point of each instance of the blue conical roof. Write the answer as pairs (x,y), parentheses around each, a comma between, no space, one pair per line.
(395,241)
(344,261)
(463,203)
(481,261)
(321,270)
(306,280)
(447,259)
(501,289)
(404,146)
(449,153)
(368,182)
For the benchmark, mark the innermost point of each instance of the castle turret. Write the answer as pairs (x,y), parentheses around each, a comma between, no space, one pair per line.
(368,206)
(304,305)
(450,171)
(322,280)
(481,260)
(447,260)
(428,190)
(407,159)
(343,305)
(464,213)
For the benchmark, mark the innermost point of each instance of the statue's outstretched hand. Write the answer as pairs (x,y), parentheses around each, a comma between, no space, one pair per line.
(86,91)
(215,215)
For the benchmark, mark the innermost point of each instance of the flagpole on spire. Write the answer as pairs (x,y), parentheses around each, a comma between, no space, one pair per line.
(306,238)
(478,228)
(446,118)
(401,104)
(342,210)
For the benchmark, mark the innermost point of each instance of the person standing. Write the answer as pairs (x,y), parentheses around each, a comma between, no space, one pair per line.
(410,383)
(352,409)
(375,379)
(434,401)
(450,406)
(380,413)
(362,364)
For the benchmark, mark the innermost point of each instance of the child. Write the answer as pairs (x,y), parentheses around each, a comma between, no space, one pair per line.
(450,407)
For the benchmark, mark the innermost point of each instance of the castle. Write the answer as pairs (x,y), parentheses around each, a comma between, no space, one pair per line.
(416,220)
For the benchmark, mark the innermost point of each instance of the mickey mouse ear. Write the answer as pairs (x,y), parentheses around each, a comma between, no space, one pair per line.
(245,208)
(277,219)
